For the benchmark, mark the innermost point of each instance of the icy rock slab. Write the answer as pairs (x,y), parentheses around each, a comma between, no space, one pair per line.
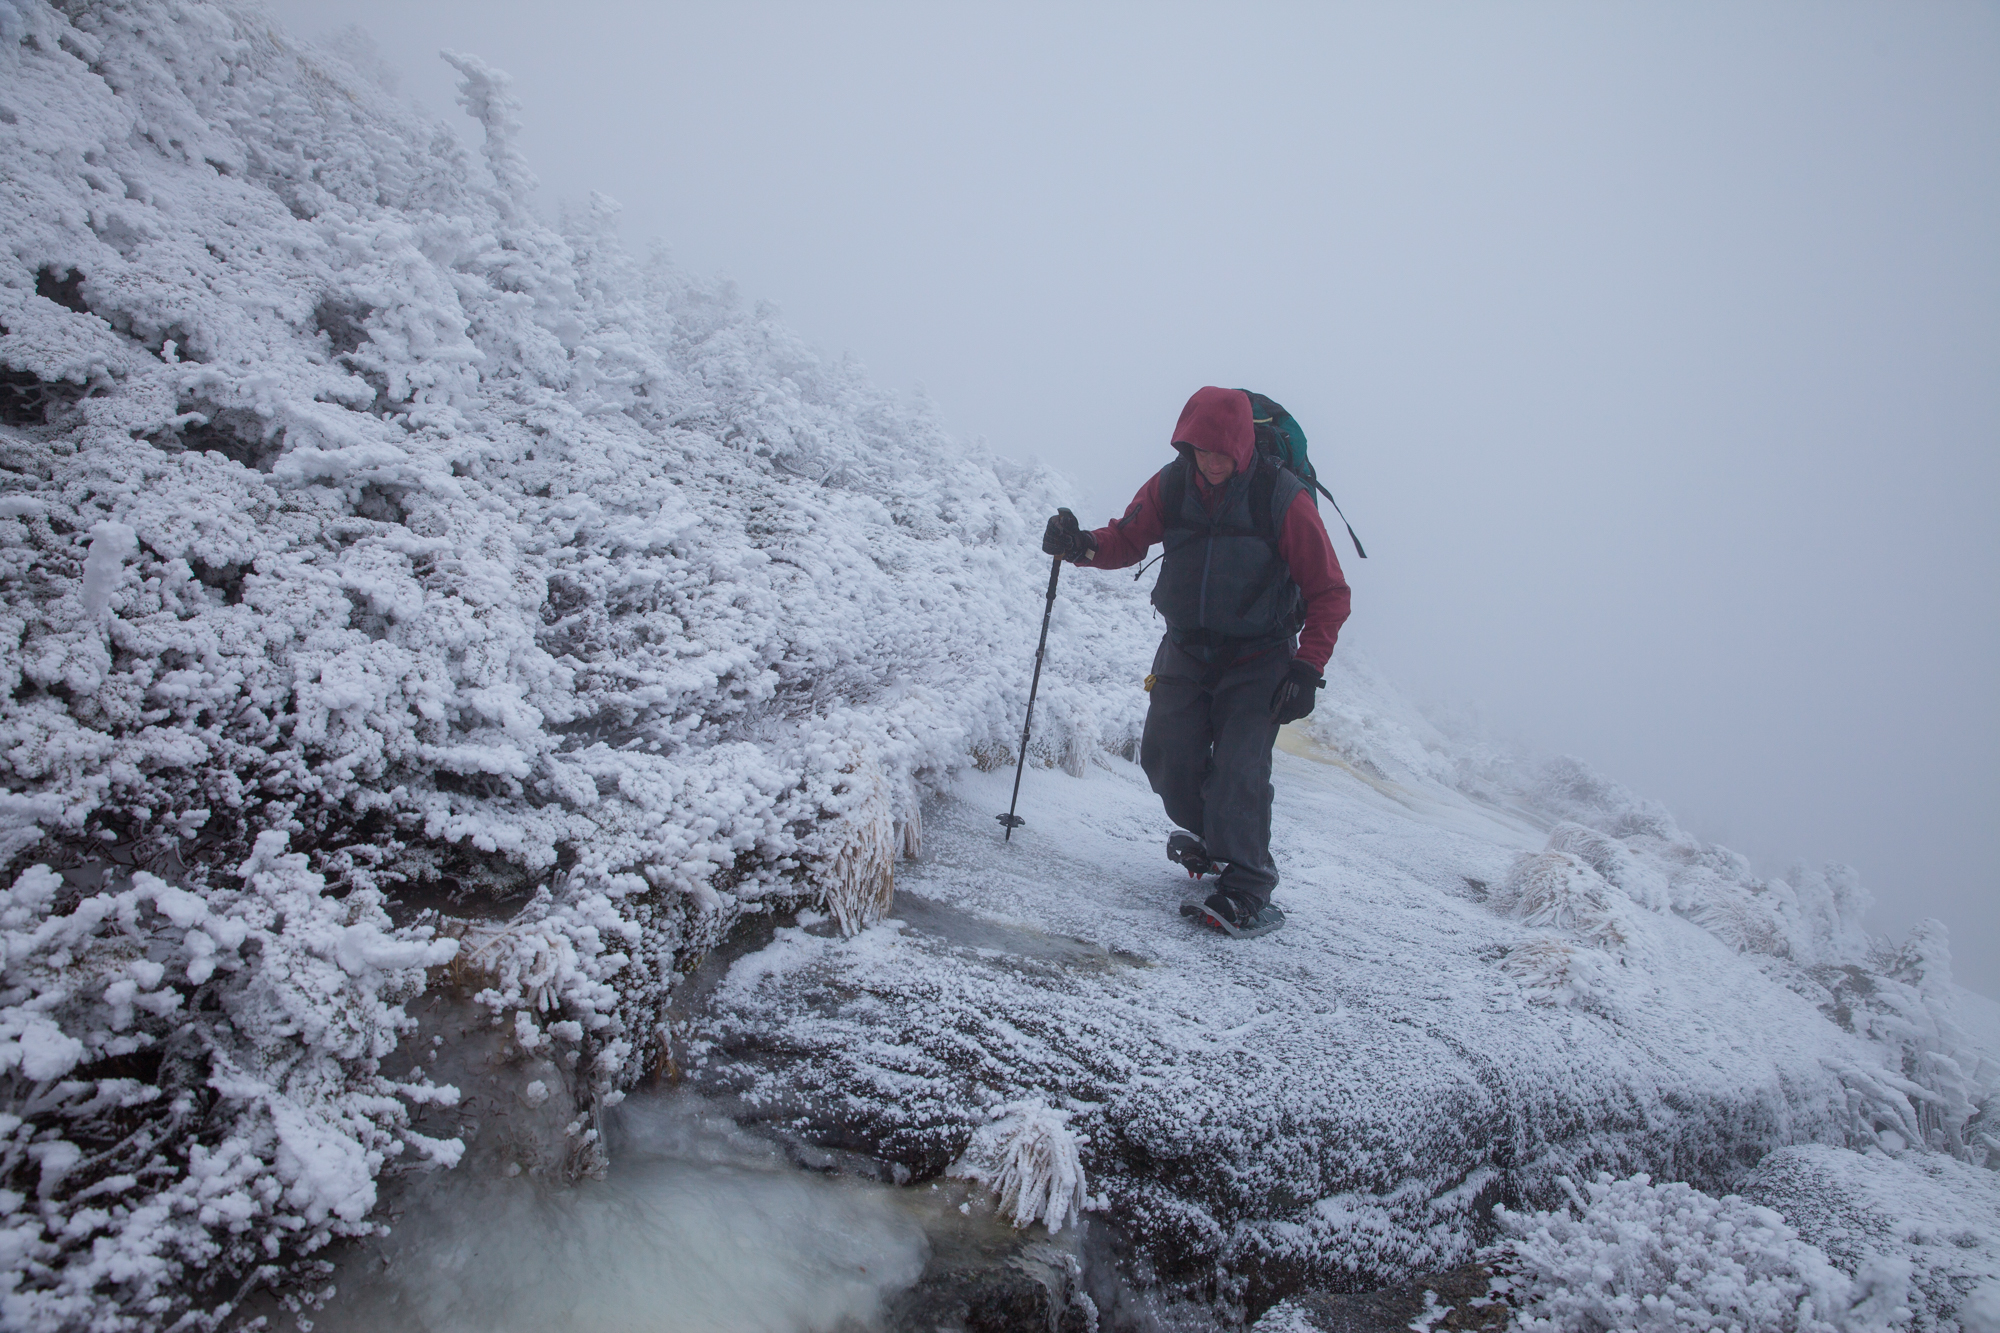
(1336,1106)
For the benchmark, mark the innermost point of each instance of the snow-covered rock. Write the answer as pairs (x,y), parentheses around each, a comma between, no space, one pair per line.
(1341,1104)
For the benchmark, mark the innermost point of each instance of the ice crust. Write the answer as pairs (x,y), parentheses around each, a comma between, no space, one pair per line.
(400,591)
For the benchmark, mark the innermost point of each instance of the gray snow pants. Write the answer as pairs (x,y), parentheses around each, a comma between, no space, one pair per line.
(1207,752)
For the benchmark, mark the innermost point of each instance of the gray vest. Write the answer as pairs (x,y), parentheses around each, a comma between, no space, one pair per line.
(1221,577)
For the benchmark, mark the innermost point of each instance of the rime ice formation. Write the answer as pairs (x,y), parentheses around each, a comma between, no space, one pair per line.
(405,597)
(1028,1157)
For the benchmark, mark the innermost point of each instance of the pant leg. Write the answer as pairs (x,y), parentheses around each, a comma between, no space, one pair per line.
(1174,748)
(1236,790)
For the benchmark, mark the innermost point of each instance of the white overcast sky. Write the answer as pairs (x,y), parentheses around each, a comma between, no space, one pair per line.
(1654,350)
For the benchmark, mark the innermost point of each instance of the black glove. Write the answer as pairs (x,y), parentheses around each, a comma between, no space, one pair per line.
(1293,699)
(1064,538)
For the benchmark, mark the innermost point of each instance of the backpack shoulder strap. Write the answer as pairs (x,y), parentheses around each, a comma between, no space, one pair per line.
(1173,493)
(1264,485)
(1272,490)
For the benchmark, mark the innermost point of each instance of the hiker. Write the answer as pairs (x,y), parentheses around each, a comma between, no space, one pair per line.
(1253,598)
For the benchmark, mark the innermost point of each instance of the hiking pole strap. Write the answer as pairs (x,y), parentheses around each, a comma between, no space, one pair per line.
(1343,518)
(1034,685)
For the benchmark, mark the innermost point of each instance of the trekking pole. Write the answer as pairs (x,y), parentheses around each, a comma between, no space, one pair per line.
(1011,820)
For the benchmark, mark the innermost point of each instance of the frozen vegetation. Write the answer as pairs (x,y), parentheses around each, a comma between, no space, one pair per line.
(405,598)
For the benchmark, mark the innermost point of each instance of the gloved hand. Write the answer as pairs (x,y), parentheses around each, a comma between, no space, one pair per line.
(1065,538)
(1293,699)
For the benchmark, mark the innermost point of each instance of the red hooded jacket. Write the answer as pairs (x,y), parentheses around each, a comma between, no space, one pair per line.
(1218,421)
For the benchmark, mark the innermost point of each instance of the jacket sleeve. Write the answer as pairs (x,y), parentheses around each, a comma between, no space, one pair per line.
(1124,541)
(1308,553)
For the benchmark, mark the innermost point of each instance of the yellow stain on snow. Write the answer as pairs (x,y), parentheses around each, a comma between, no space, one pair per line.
(1293,739)
(1447,809)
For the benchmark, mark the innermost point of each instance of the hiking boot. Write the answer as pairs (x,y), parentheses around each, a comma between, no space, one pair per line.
(1239,917)
(1188,851)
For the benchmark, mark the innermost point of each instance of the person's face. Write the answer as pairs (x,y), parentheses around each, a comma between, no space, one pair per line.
(1215,468)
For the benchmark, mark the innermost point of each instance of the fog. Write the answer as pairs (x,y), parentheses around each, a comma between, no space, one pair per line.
(1653,351)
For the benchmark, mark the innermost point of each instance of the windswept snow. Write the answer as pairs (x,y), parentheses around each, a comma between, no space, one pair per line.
(403,594)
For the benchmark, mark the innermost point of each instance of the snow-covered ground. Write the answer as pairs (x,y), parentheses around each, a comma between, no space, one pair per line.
(1452,1019)
(409,602)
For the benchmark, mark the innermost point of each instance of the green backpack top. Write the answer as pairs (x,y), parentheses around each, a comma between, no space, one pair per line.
(1281,439)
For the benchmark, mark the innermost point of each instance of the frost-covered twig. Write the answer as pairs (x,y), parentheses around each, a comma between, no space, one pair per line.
(1028,1157)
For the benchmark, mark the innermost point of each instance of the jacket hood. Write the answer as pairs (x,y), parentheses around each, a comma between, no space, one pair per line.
(1218,420)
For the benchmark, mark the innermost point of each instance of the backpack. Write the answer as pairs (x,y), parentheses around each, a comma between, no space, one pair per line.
(1281,439)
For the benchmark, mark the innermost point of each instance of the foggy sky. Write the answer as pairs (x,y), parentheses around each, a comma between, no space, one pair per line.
(1654,351)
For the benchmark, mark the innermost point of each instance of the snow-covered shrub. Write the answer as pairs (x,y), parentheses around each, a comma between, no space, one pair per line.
(1748,917)
(1933,1078)
(1571,790)
(1983,1130)
(1027,1155)
(1554,889)
(1638,877)
(1919,1081)
(1634,1256)
(1812,917)
(1832,904)
(861,879)
(1552,970)
(1558,890)
(548,551)
(192,1084)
